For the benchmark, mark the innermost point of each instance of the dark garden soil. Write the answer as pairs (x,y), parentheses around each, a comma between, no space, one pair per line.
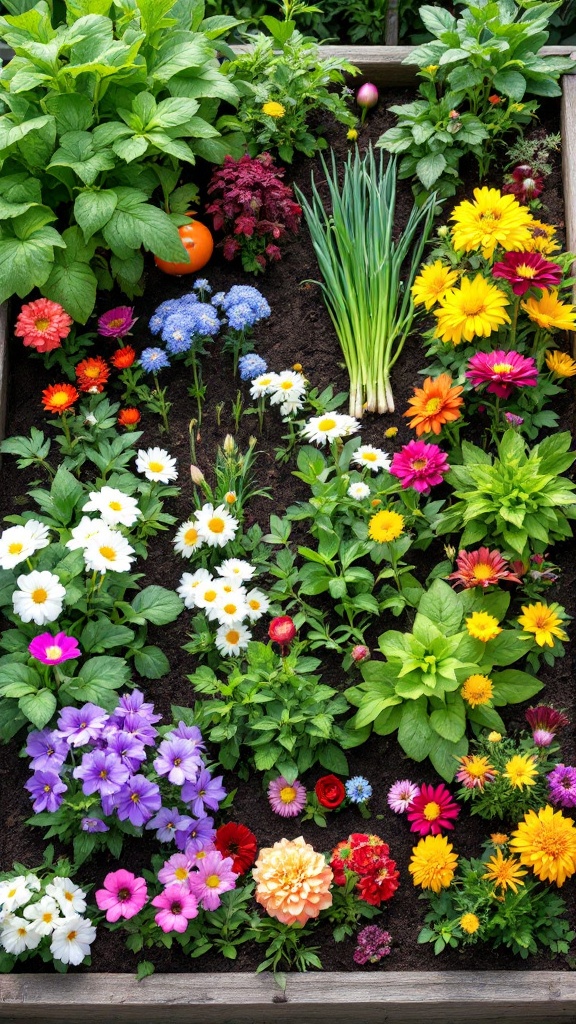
(299,331)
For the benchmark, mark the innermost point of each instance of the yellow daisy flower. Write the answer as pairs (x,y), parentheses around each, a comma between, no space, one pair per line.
(492,219)
(483,626)
(274,109)
(546,842)
(469,923)
(541,620)
(561,364)
(506,872)
(432,283)
(542,239)
(385,526)
(433,863)
(520,771)
(551,314)
(477,690)
(475,309)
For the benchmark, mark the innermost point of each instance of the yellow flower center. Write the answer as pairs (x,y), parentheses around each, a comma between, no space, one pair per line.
(502,367)
(181,874)
(156,467)
(213,881)
(552,842)
(482,571)
(287,384)
(11,893)
(432,811)
(191,536)
(419,463)
(287,794)
(116,506)
(47,917)
(216,524)
(42,324)
(432,405)
(15,548)
(230,608)
(59,398)
(327,423)
(369,456)
(525,271)
(232,636)
(254,604)
(107,552)
(46,789)
(53,652)
(474,307)
(210,595)
(39,596)
(71,936)
(92,371)
(116,323)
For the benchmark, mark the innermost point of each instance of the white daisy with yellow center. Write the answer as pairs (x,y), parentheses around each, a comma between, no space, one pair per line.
(216,526)
(289,386)
(358,491)
(17,935)
(156,465)
(115,507)
(371,458)
(263,385)
(187,539)
(109,551)
(257,604)
(229,608)
(329,427)
(236,569)
(18,543)
(232,639)
(208,593)
(189,584)
(40,597)
(85,531)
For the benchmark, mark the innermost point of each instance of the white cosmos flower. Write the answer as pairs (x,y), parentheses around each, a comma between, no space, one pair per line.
(289,386)
(236,568)
(109,550)
(14,893)
(187,539)
(44,915)
(232,639)
(263,385)
(228,608)
(157,465)
(114,506)
(189,583)
(20,542)
(216,526)
(329,427)
(373,458)
(39,598)
(359,491)
(72,939)
(17,935)
(86,530)
(70,898)
(256,603)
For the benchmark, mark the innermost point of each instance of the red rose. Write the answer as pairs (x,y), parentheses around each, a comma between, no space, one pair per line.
(282,629)
(330,791)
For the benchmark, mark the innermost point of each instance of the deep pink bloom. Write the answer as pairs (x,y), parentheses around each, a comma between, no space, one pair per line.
(123,895)
(482,568)
(420,465)
(213,877)
(117,322)
(526,270)
(432,810)
(545,723)
(502,371)
(177,907)
(286,798)
(51,650)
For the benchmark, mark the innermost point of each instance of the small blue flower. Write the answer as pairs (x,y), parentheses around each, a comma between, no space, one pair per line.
(358,789)
(241,316)
(153,359)
(190,299)
(178,330)
(161,312)
(201,284)
(156,323)
(251,366)
(218,298)
(246,293)
(206,322)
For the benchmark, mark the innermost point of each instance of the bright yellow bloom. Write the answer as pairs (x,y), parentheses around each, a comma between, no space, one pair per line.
(391,432)
(469,923)
(432,283)
(491,220)
(546,842)
(561,364)
(499,838)
(273,109)
(520,771)
(542,239)
(483,626)
(494,737)
(433,863)
(292,881)
(385,526)
(505,872)
(551,314)
(352,134)
(475,309)
(541,620)
(477,690)
(431,68)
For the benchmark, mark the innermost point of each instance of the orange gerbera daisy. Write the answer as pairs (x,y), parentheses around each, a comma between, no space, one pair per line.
(59,397)
(437,402)
(129,417)
(92,374)
(123,357)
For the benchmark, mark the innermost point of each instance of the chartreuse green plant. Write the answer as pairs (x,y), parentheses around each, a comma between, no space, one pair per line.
(438,678)
(99,113)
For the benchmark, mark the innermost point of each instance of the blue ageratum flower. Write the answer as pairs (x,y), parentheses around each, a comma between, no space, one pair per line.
(178,330)
(201,284)
(218,298)
(251,366)
(153,359)
(358,789)
(206,322)
(190,299)
(246,293)
(241,317)
(158,318)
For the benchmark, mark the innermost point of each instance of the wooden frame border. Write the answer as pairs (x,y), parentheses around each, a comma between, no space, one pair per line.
(397,997)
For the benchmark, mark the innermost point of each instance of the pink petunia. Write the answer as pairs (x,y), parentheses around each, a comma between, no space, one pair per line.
(213,877)
(177,907)
(123,895)
(420,465)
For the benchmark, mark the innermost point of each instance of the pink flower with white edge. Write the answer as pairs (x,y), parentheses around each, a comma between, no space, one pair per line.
(176,906)
(213,877)
(123,895)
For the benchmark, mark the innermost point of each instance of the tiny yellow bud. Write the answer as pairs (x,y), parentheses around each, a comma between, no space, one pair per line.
(442,231)
(494,737)
(297,367)
(391,432)
(352,134)
(229,445)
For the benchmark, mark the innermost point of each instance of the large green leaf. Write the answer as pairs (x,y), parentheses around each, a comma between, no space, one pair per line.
(93,209)
(157,605)
(513,687)
(450,721)
(136,222)
(442,605)
(72,282)
(38,707)
(78,152)
(414,734)
(444,755)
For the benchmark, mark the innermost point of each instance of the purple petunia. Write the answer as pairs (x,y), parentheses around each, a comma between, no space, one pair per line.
(562,785)
(134,703)
(79,726)
(47,750)
(93,825)
(45,790)
(189,732)
(168,822)
(129,749)
(197,837)
(139,726)
(138,800)
(101,772)
(178,759)
(204,792)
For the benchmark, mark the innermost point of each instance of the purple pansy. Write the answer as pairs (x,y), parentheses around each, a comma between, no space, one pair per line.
(47,750)
(168,823)
(127,747)
(138,800)
(191,733)
(101,772)
(199,835)
(178,760)
(79,726)
(134,703)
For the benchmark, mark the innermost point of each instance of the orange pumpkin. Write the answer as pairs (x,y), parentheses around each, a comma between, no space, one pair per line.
(199,244)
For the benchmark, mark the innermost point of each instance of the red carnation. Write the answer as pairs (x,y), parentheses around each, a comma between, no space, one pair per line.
(330,791)
(237,841)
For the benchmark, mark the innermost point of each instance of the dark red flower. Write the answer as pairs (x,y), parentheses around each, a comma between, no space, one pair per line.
(524,183)
(237,841)
(330,791)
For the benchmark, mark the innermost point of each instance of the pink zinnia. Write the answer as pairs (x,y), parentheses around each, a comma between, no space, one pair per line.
(432,810)
(117,322)
(123,895)
(286,798)
(176,870)
(420,465)
(401,795)
(502,371)
(526,270)
(482,568)
(42,324)
(545,723)
(51,650)
(177,907)
(213,877)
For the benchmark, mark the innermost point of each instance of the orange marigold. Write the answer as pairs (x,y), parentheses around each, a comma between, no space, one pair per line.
(292,881)
(59,397)
(123,357)
(437,402)
(129,417)
(92,374)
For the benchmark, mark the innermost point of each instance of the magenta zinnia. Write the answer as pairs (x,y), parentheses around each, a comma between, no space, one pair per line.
(482,568)
(117,322)
(420,465)
(432,810)
(51,650)
(502,371)
(524,270)
(123,895)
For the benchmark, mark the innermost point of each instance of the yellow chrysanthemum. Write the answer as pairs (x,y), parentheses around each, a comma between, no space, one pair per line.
(433,863)
(542,239)
(541,620)
(551,314)
(506,872)
(483,626)
(491,220)
(546,842)
(521,771)
(352,134)
(561,364)
(432,283)
(385,526)
(474,310)
(469,923)
(477,690)
(274,109)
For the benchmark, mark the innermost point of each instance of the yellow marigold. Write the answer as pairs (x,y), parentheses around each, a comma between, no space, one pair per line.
(432,283)
(352,134)
(551,314)
(385,526)
(561,364)
(546,842)
(474,310)
(491,220)
(506,872)
(494,737)
(483,626)
(542,239)
(469,923)
(274,109)
(541,620)
(477,690)
(431,68)
(520,771)
(292,881)
(433,863)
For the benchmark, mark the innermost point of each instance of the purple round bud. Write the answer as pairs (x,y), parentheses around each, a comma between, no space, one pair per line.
(367,95)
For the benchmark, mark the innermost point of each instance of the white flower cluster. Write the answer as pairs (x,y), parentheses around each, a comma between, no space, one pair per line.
(286,389)
(211,526)
(225,599)
(32,910)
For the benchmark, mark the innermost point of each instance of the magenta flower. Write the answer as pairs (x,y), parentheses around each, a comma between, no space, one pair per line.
(502,371)
(420,465)
(286,798)
(213,876)
(176,870)
(51,650)
(432,810)
(117,322)
(177,907)
(526,270)
(545,722)
(123,895)
(373,944)
(401,795)
(562,785)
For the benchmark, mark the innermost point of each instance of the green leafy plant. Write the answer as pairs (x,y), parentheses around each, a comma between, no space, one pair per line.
(498,797)
(286,948)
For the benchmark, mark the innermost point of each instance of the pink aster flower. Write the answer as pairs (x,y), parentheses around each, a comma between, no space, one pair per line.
(117,322)
(502,371)
(286,798)
(482,568)
(401,795)
(526,270)
(42,324)
(432,810)
(213,877)
(51,650)
(177,907)
(123,895)
(176,870)
(420,465)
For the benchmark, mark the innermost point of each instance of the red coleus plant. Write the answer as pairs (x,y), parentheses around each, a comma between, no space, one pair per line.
(253,207)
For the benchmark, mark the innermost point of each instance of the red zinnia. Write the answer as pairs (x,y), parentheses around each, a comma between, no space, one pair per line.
(502,371)
(59,397)
(330,791)
(123,357)
(380,886)
(482,568)
(42,324)
(368,857)
(237,841)
(524,183)
(129,417)
(432,810)
(92,374)
(526,270)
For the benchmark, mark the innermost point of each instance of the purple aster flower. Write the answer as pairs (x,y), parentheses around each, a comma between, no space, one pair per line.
(401,795)
(93,825)
(47,750)
(45,790)
(513,419)
(138,725)
(134,703)
(129,749)
(168,822)
(117,322)
(101,772)
(373,944)
(203,793)
(190,732)
(562,785)
(213,876)
(138,800)
(197,836)
(178,760)
(79,726)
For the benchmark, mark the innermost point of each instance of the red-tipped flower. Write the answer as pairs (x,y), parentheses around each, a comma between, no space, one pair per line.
(545,723)
(432,810)
(92,374)
(482,568)
(282,630)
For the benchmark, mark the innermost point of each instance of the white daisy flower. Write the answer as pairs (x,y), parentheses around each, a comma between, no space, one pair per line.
(44,915)
(40,597)
(257,604)
(189,583)
(236,569)
(263,384)
(114,506)
(330,426)
(70,897)
(208,593)
(86,530)
(228,609)
(16,935)
(18,543)
(289,408)
(359,491)
(109,550)
(232,639)
(187,539)
(156,464)
(14,893)
(230,585)
(72,939)
(216,526)
(289,386)
(374,458)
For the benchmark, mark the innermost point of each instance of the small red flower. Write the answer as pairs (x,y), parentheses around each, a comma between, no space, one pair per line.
(123,357)
(129,417)
(282,629)
(237,841)
(92,374)
(59,397)
(494,99)
(330,791)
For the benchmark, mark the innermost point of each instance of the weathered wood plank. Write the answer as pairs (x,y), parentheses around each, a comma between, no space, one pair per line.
(391,38)
(568,129)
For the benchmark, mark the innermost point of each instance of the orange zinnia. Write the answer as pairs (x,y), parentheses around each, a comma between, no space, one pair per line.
(92,374)
(435,404)
(123,357)
(129,417)
(59,397)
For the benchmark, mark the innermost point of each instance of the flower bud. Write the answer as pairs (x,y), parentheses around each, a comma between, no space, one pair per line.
(360,653)
(367,95)
(450,552)
(229,445)
(442,231)
(197,475)
(282,629)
